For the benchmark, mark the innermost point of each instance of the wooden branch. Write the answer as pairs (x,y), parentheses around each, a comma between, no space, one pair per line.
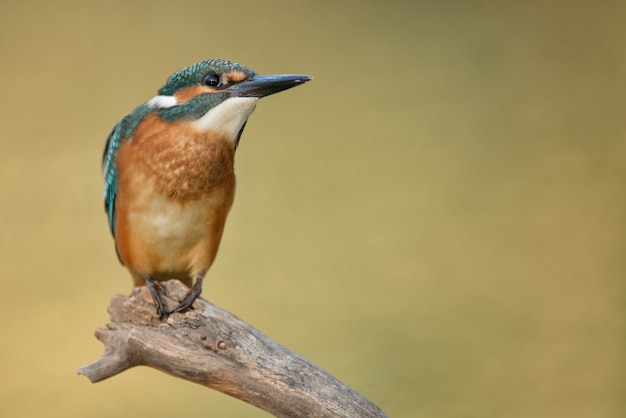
(214,348)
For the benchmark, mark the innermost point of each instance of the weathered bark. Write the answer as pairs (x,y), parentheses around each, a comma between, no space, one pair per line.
(214,348)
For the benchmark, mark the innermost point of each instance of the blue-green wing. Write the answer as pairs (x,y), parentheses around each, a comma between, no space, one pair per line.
(110,173)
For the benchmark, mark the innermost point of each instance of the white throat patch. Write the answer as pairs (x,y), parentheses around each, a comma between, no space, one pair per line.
(227,117)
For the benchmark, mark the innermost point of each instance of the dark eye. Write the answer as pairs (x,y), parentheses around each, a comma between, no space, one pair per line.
(211,80)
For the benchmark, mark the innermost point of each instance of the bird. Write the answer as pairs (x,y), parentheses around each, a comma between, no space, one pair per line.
(169,178)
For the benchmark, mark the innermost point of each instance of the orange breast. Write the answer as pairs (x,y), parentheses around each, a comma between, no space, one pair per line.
(175,188)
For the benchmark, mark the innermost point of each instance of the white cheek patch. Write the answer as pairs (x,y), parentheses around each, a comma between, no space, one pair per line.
(162,102)
(227,117)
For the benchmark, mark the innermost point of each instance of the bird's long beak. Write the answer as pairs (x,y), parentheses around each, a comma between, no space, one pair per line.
(264,85)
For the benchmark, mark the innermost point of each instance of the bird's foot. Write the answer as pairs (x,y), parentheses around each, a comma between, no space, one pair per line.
(190,296)
(156,291)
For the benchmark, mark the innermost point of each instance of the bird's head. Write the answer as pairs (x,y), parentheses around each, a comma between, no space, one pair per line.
(218,95)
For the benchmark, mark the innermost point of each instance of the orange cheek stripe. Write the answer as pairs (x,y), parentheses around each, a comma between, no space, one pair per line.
(185,94)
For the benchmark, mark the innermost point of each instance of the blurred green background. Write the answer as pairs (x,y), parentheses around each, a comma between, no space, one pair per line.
(438,219)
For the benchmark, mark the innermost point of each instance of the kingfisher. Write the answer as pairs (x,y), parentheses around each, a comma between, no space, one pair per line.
(169,178)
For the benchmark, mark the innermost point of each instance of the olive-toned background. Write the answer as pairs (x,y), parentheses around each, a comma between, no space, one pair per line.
(438,219)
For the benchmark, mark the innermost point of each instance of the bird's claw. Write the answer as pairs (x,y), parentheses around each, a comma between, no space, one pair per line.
(156,291)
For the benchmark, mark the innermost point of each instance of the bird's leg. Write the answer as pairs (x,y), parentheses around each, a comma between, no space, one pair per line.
(156,290)
(191,295)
